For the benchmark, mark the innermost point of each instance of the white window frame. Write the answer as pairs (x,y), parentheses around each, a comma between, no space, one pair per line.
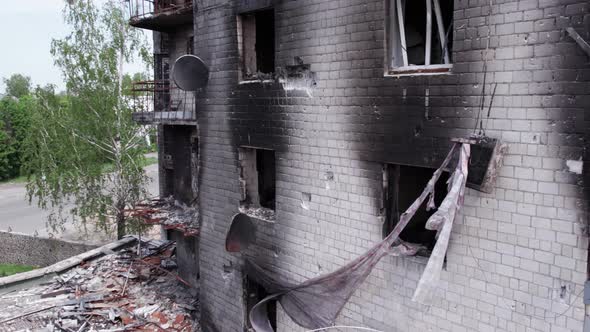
(396,58)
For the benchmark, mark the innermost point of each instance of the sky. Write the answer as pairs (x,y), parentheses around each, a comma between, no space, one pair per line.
(26,30)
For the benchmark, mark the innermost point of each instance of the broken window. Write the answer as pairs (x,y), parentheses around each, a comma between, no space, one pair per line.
(419,36)
(254,293)
(258,178)
(256,37)
(401,185)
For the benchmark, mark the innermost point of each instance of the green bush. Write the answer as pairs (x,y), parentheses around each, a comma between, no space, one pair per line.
(8,164)
(15,119)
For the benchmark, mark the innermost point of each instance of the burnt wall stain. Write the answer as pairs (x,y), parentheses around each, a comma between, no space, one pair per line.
(353,110)
(230,115)
(568,115)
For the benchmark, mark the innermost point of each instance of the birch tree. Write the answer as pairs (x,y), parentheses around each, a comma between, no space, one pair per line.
(17,85)
(84,155)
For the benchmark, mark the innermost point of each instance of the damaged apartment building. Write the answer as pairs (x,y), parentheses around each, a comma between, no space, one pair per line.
(301,132)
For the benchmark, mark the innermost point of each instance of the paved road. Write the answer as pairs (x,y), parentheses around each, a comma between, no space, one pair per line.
(18,215)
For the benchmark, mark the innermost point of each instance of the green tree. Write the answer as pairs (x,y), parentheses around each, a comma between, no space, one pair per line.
(15,119)
(71,141)
(128,83)
(17,85)
(7,152)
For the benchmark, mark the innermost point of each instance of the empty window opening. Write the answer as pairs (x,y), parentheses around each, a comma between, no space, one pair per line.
(189,45)
(419,36)
(258,178)
(401,186)
(265,166)
(254,293)
(178,162)
(164,43)
(256,34)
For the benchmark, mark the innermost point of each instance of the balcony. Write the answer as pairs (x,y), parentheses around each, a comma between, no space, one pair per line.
(161,102)
(159,15)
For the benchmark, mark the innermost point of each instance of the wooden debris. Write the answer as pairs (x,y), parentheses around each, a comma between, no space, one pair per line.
(111,293)
(169,213)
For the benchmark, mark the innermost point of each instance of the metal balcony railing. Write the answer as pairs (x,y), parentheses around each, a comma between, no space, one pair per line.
(161,102)
(159,15)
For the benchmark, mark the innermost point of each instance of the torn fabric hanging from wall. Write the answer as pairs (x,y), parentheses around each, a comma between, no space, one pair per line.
(442,221)
(317,302)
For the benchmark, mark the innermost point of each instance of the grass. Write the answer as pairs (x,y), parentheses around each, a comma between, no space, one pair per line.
(10,269)
(149,161)
(18,179)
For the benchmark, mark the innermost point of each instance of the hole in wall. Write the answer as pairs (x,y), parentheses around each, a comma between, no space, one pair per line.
(401,185)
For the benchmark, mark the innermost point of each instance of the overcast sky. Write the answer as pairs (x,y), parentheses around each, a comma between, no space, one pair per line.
(26,30)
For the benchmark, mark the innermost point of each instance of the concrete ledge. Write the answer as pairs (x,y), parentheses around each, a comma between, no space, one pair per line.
(66,264)
(24,249)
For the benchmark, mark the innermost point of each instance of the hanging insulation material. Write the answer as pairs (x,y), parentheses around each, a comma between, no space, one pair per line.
(317,302)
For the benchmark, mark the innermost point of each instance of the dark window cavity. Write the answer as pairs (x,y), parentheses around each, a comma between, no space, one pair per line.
(189,45)
(258,178)
(179,159)
(256,32)
(265,166)
(164,43)
(401,186)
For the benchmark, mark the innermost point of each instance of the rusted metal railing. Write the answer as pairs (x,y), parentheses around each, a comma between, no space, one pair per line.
(140,9)
(161,101)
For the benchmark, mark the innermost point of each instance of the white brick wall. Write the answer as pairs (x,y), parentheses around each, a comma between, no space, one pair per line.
(511,251)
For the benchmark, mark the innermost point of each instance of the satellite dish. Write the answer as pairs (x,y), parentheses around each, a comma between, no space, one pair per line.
(190,73)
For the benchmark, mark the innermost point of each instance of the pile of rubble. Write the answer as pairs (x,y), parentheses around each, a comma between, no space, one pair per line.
(259,213)
(118,292)
(169,213)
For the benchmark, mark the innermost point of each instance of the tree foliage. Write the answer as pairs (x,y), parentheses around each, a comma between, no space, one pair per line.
(15,121)
(72,141)
(17,85)
(7,163)
(128,82)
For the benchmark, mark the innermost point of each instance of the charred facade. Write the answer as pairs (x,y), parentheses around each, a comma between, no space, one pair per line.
(346,97)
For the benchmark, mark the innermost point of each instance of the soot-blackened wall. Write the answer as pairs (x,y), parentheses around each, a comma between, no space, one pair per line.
(187,256)
(517,257)
(179,150)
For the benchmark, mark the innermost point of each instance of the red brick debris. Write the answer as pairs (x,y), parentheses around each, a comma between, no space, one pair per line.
(171,214)
(118,292)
